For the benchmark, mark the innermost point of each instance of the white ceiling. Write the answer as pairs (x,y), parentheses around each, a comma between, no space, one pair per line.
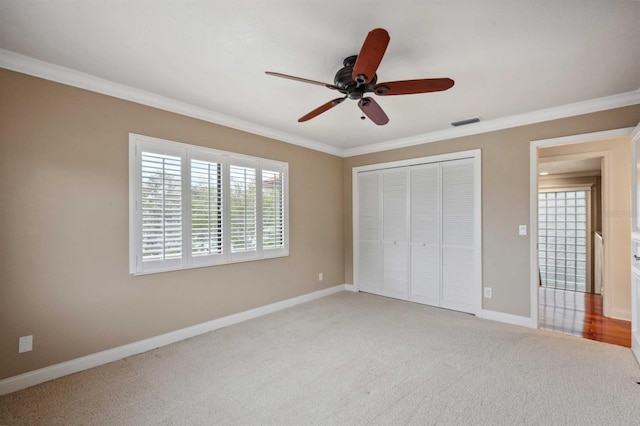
(508,58)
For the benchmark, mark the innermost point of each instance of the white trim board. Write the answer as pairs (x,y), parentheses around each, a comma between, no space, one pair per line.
(31,378)
(507,318)
(27,65)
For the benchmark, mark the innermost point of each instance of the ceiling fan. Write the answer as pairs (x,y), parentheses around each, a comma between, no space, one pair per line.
(358,77)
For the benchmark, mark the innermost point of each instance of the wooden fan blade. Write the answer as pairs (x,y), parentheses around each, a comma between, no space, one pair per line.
(372,110)
(321,109)
(370,56)
(408,87)
(303,80)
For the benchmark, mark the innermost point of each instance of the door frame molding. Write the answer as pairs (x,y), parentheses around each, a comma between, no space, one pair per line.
(533,203)
(476,155)
(635,237)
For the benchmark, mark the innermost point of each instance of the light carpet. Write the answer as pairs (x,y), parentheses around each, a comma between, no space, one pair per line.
(350,359)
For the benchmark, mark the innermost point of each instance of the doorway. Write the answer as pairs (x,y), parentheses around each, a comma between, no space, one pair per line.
(578,285)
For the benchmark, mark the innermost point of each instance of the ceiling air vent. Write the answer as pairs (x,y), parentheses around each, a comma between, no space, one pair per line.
(464,122)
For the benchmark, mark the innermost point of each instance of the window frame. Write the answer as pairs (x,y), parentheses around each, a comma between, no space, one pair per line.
(187,153)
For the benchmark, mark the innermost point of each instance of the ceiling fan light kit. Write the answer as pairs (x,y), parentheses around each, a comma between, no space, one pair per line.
(358,77)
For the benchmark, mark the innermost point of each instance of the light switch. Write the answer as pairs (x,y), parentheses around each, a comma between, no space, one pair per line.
(522,230)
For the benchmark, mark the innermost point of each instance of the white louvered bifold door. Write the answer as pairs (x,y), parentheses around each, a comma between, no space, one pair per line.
(458,281)
(395,233)
(425,234)
(369,232)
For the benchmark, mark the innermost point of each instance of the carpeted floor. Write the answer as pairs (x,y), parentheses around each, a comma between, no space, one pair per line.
(350,358)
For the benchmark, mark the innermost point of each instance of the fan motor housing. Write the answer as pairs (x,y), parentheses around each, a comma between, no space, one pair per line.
(347,85)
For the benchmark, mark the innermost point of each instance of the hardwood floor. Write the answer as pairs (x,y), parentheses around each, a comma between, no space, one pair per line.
(580,314)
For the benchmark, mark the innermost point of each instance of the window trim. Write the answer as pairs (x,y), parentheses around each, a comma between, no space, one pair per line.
(187,152)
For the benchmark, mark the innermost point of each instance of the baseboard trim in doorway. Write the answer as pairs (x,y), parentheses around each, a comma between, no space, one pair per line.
(508,318)
(621,314)
(31,378)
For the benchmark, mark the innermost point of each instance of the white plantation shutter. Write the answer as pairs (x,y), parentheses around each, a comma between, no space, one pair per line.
(161,207)
(206,208)
(243,208)
(272,210)
(192,206)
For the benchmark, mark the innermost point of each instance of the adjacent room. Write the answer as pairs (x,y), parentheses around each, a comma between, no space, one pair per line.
(242,212)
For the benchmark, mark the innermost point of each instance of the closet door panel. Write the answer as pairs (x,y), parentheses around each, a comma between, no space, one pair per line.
(425,204)
(457,203)
(395,233)
(369,203)
(425,273)
(425,234)
(370,266)
(370,232)
(458,281)
(395,202)
(396,270)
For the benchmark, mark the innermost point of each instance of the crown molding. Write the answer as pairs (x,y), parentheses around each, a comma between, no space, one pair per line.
(27,65)
(548,114)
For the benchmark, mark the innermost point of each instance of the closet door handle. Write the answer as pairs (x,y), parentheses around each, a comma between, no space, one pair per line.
(636,257)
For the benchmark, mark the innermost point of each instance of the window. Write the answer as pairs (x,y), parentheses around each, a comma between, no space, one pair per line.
(192,206)
(562,239)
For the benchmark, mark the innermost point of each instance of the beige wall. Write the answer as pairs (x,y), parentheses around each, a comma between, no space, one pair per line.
(64,227)
(616,192)
(505,197)
(64,221)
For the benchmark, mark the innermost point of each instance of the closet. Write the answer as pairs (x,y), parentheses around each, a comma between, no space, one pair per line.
(416,238)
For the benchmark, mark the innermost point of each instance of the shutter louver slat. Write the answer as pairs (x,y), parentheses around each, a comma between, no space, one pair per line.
(161,207)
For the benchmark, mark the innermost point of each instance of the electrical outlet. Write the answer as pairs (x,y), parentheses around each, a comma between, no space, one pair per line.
(25,344)
(522,230)
(320,276)
(488,292)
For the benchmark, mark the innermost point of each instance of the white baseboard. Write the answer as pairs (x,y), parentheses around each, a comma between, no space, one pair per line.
(350,287)
(31,378)
(621,314)
(508,318)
